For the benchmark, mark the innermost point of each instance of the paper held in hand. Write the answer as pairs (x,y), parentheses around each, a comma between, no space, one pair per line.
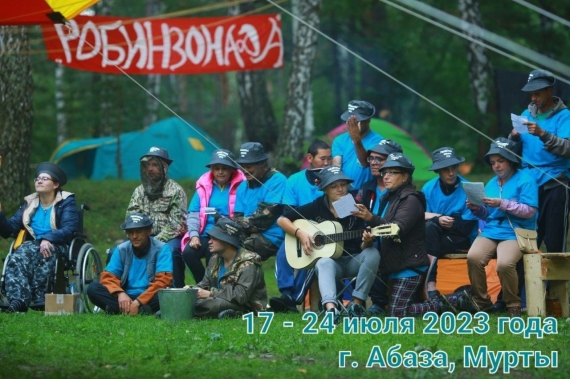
(475,192)
(518,123)
(344,206)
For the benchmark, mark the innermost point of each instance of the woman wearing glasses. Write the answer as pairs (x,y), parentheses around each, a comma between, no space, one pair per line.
(404,260)
(48,218)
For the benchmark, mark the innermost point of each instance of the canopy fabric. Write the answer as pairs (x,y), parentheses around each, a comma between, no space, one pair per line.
(38,12)
(412,148)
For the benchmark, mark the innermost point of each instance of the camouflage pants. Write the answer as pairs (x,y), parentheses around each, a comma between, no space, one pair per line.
(27,272)
(259,244)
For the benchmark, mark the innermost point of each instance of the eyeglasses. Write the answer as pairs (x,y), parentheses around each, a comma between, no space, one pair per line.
(375,160)
(42,179)
(390,173)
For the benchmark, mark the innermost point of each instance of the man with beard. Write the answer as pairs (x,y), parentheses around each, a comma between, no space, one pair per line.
(164,201)
(234,281)
(349,149)
(138,268)
(259,201)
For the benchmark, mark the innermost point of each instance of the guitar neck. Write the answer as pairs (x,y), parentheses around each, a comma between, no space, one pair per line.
(343,236)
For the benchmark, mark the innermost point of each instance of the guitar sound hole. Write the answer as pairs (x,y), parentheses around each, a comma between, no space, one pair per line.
(319,240)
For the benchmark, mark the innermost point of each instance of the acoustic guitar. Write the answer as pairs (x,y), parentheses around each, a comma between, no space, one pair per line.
(329,241)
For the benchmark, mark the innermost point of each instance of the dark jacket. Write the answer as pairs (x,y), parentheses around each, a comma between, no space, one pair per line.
(367,194)
(406,208)
(63,225)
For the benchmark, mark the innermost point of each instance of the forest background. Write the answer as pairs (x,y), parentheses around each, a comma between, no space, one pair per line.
(453,72)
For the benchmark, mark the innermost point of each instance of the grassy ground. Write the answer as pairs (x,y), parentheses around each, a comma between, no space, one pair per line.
(93,346)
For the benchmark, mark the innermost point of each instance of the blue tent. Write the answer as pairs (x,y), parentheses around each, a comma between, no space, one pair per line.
(96,158)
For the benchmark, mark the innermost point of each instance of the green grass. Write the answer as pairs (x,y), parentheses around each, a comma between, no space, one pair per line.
(99,346)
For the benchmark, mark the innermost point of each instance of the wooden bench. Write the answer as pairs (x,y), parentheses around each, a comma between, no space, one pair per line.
(554,267)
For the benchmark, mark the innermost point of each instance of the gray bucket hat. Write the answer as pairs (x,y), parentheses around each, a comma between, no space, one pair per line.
(157,152)
(363,110)
(386,147)
(222,156)
(444,157)
(330,175)
(539,79)
(252,152)
(505,148)
(137,220)
(53,170)
(226,230)
(399,160)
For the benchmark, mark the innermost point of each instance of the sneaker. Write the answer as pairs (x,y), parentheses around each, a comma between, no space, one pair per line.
(158,315)
(445,305)
(146,310)
(376,310)
(336,315)
(499,306)
(514,311)
(355,310)
(229,313)
(283,304)
(433,295)
(466,303)
(17,306)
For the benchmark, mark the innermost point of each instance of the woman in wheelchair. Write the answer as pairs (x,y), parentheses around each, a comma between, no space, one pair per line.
(48,219)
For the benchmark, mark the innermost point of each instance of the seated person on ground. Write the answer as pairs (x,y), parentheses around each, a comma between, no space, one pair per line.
(49,217)
(165,202)
(138,268)
(234,281)
(358,259)
(216,189)
(450,225)
(258,201)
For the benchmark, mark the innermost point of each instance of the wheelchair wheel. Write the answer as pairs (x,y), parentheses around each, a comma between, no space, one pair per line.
(89,268)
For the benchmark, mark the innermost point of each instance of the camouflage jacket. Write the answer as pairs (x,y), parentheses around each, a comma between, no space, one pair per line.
(168,211)
(243,282)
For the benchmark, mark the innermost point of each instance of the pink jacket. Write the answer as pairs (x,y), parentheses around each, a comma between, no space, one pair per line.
(204,188)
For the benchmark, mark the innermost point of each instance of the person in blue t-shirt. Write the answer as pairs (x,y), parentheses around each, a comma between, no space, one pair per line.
(511,202)
(302,188)
(349,149)
(369,196)
(450,225)
(138,268)
(259,201)
(546,149)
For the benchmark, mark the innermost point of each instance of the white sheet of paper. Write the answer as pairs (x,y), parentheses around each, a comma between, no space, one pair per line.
(518,123)
(475,192)
(344,206)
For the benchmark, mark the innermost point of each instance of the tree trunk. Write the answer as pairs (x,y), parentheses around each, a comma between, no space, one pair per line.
(153,8)
(60,115)
(480,72)
(16,114)
(256,108)
(289,151)
(106,84)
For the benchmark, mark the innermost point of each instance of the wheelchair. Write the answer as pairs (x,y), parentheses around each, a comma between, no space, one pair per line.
(81,266)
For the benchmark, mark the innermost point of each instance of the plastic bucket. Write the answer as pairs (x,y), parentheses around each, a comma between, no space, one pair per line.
(177,304)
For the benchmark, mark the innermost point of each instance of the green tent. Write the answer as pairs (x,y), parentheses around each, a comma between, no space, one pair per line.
(412,148)
(98,158)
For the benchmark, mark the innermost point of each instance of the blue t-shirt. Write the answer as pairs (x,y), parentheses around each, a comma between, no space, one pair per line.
(344,147)
(137,281)
(218,199)
(299,191)
(248,199)
(535,153)
(379,194)
(438,202)
(40,222)
(520,188)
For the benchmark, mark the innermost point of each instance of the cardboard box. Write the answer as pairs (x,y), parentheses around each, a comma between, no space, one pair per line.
(58,304)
